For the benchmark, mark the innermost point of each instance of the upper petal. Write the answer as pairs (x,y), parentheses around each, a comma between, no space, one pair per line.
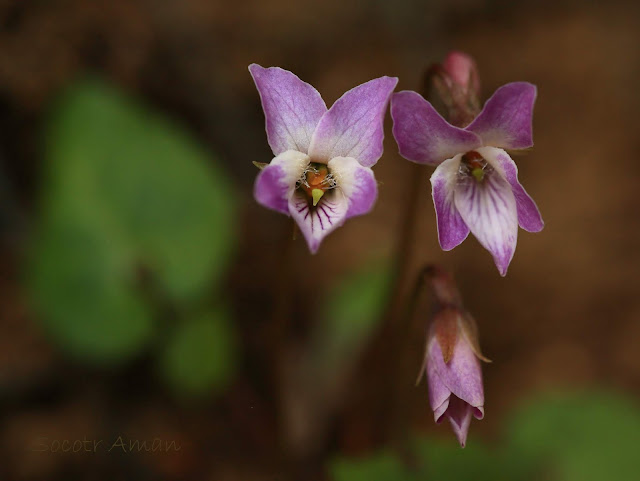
(356,182)
(451,228)
(529,216)
(489,209)
(423,136)
(317,222)
(505,120)
(292,108)
(353,126)
(276,182)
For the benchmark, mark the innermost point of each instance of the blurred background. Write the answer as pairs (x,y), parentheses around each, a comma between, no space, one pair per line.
(165,326)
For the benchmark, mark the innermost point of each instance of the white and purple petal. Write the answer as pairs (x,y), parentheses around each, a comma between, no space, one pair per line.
(357,183)
(292,108)
(489,209)
(276,182)
(452,229)
(317,222)
(353,126)
(529,217)
(505,120)
(423,136)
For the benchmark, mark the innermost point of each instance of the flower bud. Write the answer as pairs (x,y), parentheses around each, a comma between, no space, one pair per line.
(463,73)
(452,361)
(457,84)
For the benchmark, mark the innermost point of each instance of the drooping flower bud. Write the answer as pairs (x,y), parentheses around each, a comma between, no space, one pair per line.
(452,360)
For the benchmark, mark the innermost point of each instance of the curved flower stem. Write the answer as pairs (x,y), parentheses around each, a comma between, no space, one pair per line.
(281,314)
(404,364)
(398,316)
(404,246)
(278,333)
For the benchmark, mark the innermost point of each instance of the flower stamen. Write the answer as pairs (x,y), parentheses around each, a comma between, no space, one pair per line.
(315,181)
(473,164)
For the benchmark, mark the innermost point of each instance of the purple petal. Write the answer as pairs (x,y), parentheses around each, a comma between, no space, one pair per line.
(462,376)
(529,216)
(317,222)
(451,228)
(459,413)
(423,136)
(439,393)
(438,412)
(489,209)
(505,120)
(292,108)
(276,182)
(353,126)
(356,182)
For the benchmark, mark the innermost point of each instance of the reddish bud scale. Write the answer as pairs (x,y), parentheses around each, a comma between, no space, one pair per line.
(445,328)
(443,287)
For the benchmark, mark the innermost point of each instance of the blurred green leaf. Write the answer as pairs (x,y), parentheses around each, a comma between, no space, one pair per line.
(354,309)
(442,460)
(435,460)
(589,436)
(76,283)
(124,189)
(380,467)
(585,436)
(200,355)
(145,178)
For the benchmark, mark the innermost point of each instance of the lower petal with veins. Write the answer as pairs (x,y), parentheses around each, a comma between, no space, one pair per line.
(529,216)
(488,208)
(317,222)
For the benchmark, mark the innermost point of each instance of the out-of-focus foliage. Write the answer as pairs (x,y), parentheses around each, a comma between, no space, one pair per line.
(354,308)
(579,437)
(591,436)
(382,466)
(446,460)
(77,284)
(199,355)
(434,461)
(135,217)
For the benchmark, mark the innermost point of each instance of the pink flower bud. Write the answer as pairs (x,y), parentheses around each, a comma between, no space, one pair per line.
(457,84)
(463,72)
(452,360)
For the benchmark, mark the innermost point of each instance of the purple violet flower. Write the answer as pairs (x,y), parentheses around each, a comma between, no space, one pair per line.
(321,174)
(475,185)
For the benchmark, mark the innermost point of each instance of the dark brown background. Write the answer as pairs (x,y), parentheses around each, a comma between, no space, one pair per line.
(566,315)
